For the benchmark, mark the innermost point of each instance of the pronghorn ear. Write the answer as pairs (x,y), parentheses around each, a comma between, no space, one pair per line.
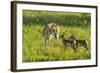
(52,25)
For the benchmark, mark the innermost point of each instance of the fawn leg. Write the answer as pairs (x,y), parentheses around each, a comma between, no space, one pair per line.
(72,45)
(45,43)
(76,46)
(65,45)
(85,46)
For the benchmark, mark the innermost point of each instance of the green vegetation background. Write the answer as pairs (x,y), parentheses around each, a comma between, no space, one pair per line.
(72,23)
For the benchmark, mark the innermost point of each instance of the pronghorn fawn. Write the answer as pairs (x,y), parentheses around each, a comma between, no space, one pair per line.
(66,41)
(84,43)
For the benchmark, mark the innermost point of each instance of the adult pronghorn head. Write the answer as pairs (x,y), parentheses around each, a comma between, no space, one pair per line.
(51,29)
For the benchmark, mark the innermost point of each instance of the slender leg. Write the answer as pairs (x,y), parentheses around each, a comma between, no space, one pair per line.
(65,47)
(57,42)
(45,42)
(77,46)
(49,43)
(57,39)
(85,46)
(73,46)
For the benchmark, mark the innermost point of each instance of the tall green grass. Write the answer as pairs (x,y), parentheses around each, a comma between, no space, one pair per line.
(34,48)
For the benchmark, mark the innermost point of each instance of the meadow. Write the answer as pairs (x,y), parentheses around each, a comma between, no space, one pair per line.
(70,23)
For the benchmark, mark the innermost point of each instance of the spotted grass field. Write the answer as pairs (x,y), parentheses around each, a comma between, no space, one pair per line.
(34,48)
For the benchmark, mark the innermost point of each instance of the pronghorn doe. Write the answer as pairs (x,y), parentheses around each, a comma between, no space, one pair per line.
(50,31)
(84,43)
(66,41)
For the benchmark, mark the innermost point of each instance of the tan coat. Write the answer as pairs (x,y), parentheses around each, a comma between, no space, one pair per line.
(50,31)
